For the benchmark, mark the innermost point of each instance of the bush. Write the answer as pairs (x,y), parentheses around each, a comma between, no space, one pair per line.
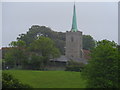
(102,70)
(74,66)
(8,81)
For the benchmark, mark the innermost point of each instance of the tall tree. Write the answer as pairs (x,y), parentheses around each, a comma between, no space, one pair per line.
(44,47)
(58,37)
(102,69)
(88,42)
(16,54)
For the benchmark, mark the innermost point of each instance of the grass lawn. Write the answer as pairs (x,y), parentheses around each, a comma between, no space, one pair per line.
(49,79)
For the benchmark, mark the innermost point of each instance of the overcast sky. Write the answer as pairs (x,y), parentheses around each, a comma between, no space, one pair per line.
(98,19)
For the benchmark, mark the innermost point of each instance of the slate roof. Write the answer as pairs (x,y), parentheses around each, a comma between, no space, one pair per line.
(63,58)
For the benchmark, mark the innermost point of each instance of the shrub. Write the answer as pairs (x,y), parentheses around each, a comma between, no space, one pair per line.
(74,66)
(8,81)
(102,70)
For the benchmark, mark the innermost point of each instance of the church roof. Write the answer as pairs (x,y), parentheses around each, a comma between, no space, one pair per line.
(63,58)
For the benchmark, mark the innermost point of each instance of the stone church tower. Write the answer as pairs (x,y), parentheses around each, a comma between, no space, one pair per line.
(74,41)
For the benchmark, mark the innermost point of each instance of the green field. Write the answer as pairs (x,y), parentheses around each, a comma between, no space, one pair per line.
(49,79)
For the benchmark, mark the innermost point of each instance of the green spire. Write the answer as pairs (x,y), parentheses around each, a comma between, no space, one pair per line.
(74,21)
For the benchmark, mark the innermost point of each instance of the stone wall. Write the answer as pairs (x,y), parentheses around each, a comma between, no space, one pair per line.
(74,45)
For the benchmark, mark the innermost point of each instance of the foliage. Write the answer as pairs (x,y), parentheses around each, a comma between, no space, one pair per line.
(35,62)
(19,43)
(119,65)
(58,37)
(15,56)
(45,47)
(102,70)
(38,41)
(74,66)
(36,56)
(35,31)
(88,42)
(49,79)
(8,81)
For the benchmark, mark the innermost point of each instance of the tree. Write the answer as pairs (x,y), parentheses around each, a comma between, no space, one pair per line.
(88,42)
(35,62)
(74,66)
(35,56)
(44,47)
(18,43)
(58,37)
(102,69)
(16,54)
(119,65)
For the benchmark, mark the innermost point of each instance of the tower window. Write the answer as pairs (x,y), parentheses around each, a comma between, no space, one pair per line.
(71,39)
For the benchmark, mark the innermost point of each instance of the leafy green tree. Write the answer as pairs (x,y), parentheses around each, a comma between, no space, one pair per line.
(44,47)
(119,65)
(15,56)
(88,42)
(102,69)
(58,37)
(19,43)
(35,56)
(74,66)
(35,62)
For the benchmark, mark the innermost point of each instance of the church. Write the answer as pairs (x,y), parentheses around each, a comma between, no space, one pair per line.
(73,50)
(74,47)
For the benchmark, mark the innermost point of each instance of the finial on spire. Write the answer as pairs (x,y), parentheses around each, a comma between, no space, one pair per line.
(74,20)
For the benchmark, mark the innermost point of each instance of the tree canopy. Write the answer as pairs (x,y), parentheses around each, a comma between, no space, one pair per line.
(34,56)
(45,47)
(16,54)
(88,42)
(58,37)
(102,69)
(40,43)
